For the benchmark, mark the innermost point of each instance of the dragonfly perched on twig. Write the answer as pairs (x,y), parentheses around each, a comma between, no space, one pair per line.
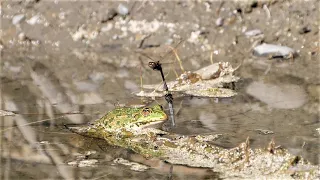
(156,65)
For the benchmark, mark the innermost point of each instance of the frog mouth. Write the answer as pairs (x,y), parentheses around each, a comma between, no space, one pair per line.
(148,124)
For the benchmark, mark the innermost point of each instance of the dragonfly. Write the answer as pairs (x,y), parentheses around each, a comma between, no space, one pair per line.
(157,66)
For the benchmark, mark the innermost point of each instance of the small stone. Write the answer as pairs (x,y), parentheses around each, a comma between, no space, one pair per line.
(271,50)
(33,20)
(209,72)
(123,10)
(18,18)
(194,37)
(219,22)
(254,32)
(22,36)
(106,28)
(78,35)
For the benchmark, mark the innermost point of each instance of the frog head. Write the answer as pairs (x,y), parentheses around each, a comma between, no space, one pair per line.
(148,116)
(131,118)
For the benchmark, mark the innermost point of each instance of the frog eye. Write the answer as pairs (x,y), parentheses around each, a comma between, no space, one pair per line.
(146,111)
(161,107)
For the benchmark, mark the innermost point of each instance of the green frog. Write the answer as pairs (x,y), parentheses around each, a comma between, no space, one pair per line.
(130,128)
(131,119)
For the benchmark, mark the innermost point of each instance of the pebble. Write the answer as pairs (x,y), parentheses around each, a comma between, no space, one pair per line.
(271,49)
(209,72)
(219,21)
(283,96)
(33,20)
(18,18)
(194,37)
(106,28)
(22,36)
(254,32)
(78,35)
(122,10)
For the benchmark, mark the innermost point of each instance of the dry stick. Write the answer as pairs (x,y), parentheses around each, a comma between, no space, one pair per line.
(211,57)
(141,83)
(177,57)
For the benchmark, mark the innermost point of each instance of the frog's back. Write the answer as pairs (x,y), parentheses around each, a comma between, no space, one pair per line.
(118,117)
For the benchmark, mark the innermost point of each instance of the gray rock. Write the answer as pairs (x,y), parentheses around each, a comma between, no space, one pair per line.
(123,10)
(18,18)
(273,50)
(209,72)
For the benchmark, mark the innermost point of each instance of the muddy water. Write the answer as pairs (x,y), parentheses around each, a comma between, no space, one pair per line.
(35,143)
(65,81)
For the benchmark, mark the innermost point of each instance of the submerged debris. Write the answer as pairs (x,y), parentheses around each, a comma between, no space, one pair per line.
(6,113)
(240,162)
(84,163)
(264,131)
(212,92)
(209,81)
(133,165)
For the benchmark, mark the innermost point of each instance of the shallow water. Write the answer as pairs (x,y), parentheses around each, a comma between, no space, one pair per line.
(36,136)
(65,82)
